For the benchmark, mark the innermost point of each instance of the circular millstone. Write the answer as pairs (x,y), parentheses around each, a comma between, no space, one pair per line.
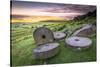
(59,35)
(46,51)
(43,35)
(78,42)
(85,31)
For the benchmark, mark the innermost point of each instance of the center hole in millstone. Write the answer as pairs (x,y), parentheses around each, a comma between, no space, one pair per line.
(76,39)
(43,36)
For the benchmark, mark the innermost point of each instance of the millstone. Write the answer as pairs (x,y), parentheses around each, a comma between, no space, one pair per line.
(78,42)
(59,35)
(46,47)
(85,31)
(43,35)
(46,51)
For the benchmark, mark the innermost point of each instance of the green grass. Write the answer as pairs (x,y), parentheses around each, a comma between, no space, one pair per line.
(22,44)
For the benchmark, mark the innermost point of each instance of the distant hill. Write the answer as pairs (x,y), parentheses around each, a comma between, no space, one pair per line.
(89,14)
(54,21)
(32,19)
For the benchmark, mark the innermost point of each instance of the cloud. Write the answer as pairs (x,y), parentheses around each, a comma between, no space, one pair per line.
(43,9)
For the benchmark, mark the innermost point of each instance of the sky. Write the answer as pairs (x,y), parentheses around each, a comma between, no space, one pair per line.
(49,9)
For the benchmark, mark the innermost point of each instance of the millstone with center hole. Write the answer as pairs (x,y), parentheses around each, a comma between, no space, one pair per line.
(59,35)
(46,47)
(78,42)
(43,35)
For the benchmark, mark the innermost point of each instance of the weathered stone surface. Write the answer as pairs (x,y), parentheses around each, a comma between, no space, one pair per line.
(59,35)
(43,35)
(46,47)
(85,31)
(46,51)
(78,42)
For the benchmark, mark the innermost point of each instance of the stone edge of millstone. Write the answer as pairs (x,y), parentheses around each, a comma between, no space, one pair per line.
(53,53)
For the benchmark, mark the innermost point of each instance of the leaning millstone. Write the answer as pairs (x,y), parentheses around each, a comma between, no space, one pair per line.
(78,42)
(59,35)
(85,31)
(43,35)
(46,51)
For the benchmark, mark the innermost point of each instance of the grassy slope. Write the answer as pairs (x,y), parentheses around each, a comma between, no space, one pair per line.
(23,44)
